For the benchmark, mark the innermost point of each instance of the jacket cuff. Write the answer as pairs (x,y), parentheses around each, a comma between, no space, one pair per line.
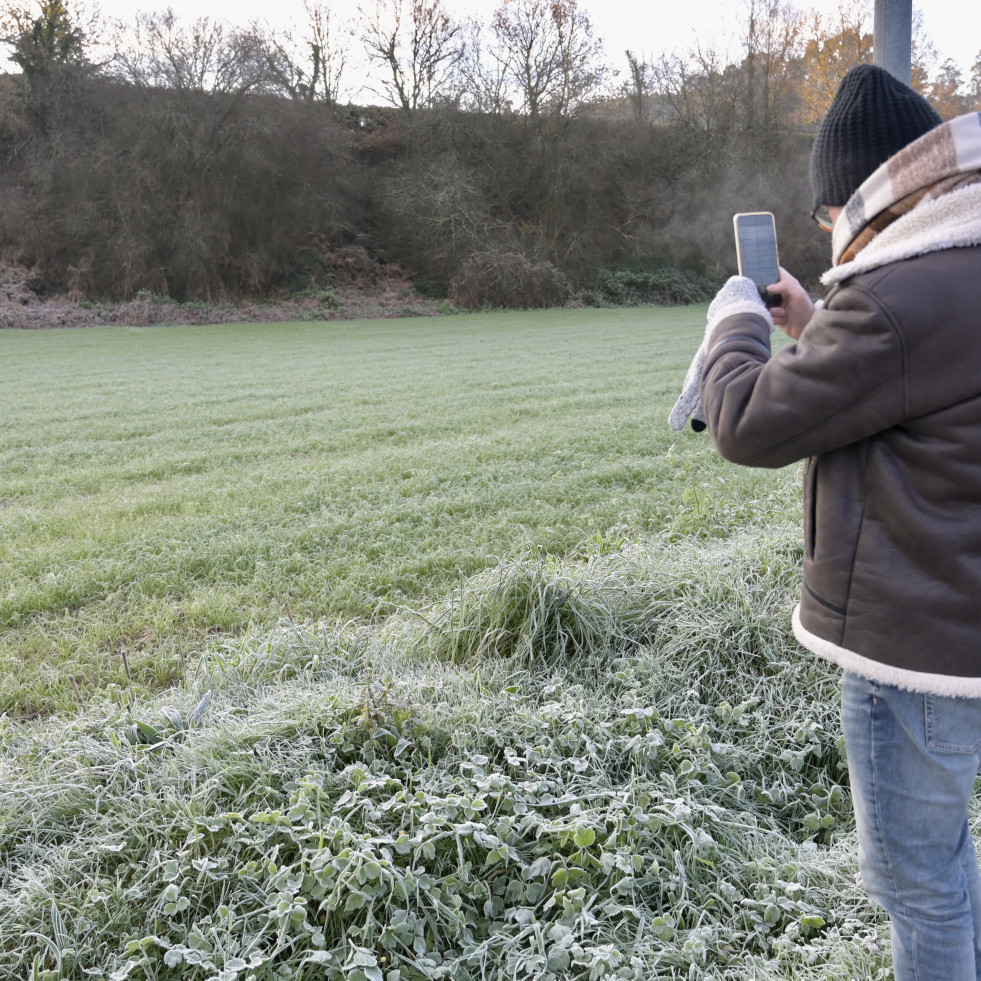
(741,309)
(753,322)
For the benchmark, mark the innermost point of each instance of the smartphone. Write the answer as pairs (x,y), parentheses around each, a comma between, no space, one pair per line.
(756,250)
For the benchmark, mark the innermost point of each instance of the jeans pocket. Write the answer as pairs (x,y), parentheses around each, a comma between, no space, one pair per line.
(952,724)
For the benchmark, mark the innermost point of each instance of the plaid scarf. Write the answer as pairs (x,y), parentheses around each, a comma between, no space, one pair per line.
(942,162)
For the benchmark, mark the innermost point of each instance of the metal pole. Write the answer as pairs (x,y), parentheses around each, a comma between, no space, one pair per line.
(892,43)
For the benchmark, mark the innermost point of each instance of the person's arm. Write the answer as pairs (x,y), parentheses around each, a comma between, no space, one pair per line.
(842,381)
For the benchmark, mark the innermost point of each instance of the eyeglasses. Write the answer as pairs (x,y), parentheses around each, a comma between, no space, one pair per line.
(823,217)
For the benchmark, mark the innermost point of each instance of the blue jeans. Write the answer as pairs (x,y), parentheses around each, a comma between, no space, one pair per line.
(912,762)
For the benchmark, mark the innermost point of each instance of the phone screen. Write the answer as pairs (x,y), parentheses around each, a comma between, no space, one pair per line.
(756,247)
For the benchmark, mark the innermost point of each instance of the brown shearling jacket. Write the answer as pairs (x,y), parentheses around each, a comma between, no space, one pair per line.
(881,395)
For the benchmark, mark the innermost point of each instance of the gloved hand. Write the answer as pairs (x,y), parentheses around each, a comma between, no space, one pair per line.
(739,295)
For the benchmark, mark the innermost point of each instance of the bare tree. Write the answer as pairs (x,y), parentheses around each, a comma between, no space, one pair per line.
(772,38)
(547,50)
(698,91)
(483,81)
(418,46)
(638,86)
(204,56)
(924,56)
(310,65)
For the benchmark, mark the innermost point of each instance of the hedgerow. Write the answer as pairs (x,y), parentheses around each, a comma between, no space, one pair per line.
(665,286)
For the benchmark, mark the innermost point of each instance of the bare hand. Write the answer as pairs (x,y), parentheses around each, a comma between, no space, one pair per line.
(795,308)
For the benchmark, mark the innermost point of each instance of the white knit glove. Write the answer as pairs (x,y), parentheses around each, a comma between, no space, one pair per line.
(690,400)
(739,295)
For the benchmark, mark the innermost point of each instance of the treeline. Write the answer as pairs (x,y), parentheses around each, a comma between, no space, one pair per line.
(201,162)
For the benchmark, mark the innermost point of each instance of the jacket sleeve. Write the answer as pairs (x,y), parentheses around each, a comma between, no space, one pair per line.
(842,381)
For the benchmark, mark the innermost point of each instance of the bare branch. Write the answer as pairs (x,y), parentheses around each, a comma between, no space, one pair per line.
(204,56)
(546,50)
(417,44)
(309,65)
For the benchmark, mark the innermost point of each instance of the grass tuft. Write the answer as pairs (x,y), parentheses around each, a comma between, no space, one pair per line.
(534,609)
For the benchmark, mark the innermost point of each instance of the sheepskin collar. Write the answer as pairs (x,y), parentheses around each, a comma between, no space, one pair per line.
(925,198)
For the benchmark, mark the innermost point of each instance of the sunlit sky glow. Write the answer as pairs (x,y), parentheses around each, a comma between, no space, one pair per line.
(648,27)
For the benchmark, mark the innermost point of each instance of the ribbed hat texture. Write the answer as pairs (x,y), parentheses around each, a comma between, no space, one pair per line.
(873,116)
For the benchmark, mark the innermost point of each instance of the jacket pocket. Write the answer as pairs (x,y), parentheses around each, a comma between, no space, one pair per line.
(834,505)
(810,506)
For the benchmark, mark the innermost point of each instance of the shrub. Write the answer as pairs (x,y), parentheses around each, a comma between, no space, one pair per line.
(665,286)
(183,194)
(508,279)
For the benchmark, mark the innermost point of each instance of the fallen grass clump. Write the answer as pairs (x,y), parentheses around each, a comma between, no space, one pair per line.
(544,608)
(616,767)
(533,609)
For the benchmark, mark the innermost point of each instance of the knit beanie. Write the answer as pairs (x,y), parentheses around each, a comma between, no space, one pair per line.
(872,117)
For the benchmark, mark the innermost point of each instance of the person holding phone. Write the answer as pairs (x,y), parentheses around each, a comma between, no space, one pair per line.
(881,395)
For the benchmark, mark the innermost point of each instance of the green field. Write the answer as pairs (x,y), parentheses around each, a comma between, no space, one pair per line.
(161,489)
(389,651)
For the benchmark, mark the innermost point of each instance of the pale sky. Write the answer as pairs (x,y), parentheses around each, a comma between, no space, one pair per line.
(651,26)
(648,27)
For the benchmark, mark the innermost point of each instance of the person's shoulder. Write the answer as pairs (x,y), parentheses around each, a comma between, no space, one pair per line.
(930,270)
(925,308)
(917,287)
